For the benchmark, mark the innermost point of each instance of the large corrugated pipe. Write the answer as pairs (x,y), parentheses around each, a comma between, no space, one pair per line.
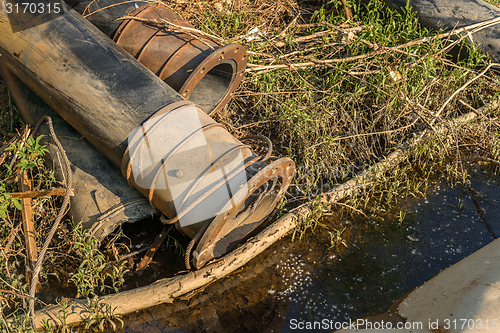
(188,166)
(198,68)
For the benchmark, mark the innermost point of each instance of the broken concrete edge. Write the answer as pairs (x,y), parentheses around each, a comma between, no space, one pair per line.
(464,296)
(167,290)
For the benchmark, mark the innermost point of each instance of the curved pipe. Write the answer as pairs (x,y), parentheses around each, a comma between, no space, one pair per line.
(199,69)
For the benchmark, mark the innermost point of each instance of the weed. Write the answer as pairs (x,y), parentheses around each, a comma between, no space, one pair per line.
(173,245)
(62,318)
(7,202)
(337,118)
(311,220)
(93,271)
(401,217)
(29,155)
(101,317)
(336,238)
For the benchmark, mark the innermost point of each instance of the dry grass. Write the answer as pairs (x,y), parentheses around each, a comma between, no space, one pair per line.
(338,95)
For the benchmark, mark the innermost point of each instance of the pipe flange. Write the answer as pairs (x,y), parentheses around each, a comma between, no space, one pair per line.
(237,222)
(196,67)
(228,61)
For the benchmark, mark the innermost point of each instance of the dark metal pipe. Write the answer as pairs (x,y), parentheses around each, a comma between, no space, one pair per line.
(102,198)
(92,83)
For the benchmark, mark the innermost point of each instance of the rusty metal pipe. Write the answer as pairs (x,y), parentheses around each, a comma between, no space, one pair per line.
(189,167)
(199,69)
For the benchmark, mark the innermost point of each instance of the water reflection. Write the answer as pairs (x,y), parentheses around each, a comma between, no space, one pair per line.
(306,280)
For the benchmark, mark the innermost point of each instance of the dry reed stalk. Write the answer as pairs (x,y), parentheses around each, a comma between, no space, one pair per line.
(377,50)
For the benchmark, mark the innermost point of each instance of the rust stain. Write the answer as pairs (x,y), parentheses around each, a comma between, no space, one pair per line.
(492,286)
(472,284)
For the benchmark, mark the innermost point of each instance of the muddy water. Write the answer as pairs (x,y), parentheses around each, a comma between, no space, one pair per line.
(308,280)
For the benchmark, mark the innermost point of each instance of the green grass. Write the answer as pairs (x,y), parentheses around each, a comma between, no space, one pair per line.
(493,2)
(335,120)
(94,269)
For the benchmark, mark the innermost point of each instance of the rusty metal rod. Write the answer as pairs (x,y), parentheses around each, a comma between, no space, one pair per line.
(29,229)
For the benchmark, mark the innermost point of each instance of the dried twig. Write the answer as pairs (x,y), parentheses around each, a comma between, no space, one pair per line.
(40,193)
(462,88)
(342,25)
(313,48)
(381,50)
(316,35)
(17,294)
(304,39)
(244,94)
(131,254)
(195,33)
(256,124)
